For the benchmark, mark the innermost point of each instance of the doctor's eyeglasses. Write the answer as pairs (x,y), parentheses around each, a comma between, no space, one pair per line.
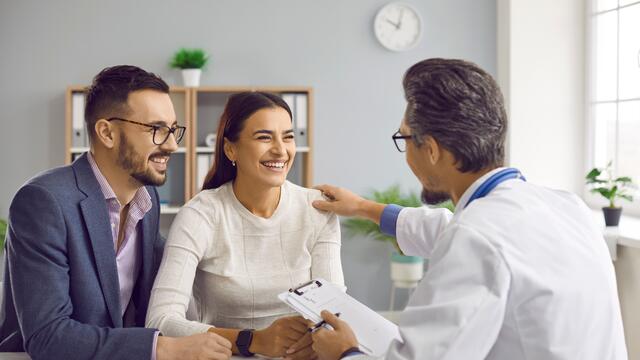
(160,132)
(400,141)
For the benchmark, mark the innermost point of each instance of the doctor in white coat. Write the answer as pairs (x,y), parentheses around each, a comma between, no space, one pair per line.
(519,271)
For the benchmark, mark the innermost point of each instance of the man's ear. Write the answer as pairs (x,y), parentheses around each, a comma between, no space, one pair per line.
(434,153)
(105,133)
(229,150)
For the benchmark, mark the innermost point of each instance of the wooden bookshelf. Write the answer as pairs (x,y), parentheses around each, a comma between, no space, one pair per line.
(198,109)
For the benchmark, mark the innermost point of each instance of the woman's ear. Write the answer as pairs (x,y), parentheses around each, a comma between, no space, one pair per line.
(105,133)
(229,149)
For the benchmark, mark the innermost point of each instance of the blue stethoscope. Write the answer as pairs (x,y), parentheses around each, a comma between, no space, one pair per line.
(493,181)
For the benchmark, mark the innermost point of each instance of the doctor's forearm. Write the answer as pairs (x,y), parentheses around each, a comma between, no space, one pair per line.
(370,210)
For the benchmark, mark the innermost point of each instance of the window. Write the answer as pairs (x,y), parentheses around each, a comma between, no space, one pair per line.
(614,93)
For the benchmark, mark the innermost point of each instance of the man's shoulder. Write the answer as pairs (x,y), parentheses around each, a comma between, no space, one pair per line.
(53,178)
(59,184)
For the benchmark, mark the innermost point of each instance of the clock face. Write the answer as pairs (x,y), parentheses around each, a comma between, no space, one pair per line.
(398,27)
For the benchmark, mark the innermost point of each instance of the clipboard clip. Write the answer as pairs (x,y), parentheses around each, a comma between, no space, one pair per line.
(310,285)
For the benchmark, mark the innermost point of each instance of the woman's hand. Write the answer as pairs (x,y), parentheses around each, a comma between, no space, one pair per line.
(275,340)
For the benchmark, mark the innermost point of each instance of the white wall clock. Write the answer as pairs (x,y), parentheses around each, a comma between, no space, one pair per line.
(398,26)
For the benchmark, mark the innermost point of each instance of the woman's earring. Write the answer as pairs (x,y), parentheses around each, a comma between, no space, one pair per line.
(233,163)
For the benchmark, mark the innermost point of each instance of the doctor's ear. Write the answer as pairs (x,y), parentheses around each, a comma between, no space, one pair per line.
(105,133)
(432,148)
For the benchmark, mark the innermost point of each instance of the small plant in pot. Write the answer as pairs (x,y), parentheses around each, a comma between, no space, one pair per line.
(406,271)
(3,233)
(191,61)
(611,188)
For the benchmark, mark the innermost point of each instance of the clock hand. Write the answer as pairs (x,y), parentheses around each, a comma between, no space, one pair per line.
(400,19)
(392,23)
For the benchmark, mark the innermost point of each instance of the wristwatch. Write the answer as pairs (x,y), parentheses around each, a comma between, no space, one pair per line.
(243,341)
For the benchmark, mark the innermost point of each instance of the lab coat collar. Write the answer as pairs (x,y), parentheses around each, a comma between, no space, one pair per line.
(464,199)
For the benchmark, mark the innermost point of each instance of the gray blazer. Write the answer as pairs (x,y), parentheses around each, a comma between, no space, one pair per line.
(61,293)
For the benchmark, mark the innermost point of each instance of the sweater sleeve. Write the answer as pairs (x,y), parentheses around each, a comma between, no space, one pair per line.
(325,254)
(186,245)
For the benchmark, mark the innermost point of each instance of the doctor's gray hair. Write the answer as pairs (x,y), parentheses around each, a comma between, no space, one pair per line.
(461,107)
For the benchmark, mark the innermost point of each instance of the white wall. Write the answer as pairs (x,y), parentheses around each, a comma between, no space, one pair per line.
(327,44)
(541,69)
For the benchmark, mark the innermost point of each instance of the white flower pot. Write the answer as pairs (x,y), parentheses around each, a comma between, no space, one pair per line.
(406,271)
(191,77)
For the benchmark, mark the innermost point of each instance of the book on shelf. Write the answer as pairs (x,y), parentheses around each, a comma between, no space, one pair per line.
(80,136)
(298,103)
(203,164)
(300,125)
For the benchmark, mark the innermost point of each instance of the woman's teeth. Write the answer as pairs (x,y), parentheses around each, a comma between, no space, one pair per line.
(274,164)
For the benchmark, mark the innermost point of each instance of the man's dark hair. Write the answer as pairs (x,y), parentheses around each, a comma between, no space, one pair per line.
(107,96)
(461,107)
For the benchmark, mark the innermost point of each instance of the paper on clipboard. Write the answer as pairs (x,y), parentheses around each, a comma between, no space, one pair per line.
(374,332)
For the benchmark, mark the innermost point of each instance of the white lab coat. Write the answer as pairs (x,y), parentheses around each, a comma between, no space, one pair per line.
(522,273)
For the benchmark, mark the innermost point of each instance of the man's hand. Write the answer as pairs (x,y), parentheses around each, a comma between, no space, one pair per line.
(302,349)
(207,346)
(345,203)
(275,340)
(330,344)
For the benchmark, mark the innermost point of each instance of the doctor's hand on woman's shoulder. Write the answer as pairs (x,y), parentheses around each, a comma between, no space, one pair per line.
(207,346)
(282,335)
(345,203)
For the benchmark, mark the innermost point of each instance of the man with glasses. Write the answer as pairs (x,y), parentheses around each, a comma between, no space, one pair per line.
(519,271)
(83,246)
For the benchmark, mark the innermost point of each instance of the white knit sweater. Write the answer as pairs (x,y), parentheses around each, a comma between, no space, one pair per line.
(236,263)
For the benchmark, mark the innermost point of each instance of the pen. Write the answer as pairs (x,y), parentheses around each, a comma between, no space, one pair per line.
(318,325)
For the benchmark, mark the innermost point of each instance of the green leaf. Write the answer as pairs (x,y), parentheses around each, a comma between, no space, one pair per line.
(3,232)
(189,59)
(624,180)
(593,174)
(605,192)
(626,197)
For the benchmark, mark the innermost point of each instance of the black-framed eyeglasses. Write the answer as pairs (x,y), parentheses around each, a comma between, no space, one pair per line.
(160,132)
(400,140)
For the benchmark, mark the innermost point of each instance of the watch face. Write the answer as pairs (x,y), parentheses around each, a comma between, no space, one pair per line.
(398,27)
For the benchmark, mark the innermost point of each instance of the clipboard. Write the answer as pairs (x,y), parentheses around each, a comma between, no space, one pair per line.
(374,332)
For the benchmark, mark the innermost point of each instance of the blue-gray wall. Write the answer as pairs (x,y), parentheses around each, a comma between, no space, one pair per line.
(329,45)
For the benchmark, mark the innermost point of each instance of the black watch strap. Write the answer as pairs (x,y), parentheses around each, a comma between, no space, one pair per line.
(243,341)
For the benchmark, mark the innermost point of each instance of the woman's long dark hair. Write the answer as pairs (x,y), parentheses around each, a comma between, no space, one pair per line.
(238,109)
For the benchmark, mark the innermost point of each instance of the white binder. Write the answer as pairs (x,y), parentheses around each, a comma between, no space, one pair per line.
(79,138)
(374,332)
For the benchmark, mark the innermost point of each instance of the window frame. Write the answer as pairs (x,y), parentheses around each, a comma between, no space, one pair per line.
(594,200)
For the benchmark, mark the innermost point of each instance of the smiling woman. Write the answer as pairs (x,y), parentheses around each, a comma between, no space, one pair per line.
(249,235)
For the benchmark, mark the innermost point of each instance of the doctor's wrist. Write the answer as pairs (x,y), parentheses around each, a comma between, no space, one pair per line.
(351,351)
(370,210)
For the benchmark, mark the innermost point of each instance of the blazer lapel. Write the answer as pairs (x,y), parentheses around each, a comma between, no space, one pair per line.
(96,217)
(147,249)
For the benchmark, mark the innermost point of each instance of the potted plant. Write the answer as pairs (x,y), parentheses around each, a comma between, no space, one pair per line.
(611,188)
(191,61)
(406,271)
(3,234)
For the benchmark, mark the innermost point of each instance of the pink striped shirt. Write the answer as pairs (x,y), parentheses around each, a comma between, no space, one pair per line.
(128,255)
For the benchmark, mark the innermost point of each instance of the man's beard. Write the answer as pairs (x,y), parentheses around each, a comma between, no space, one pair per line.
(136,165)
(434,197)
